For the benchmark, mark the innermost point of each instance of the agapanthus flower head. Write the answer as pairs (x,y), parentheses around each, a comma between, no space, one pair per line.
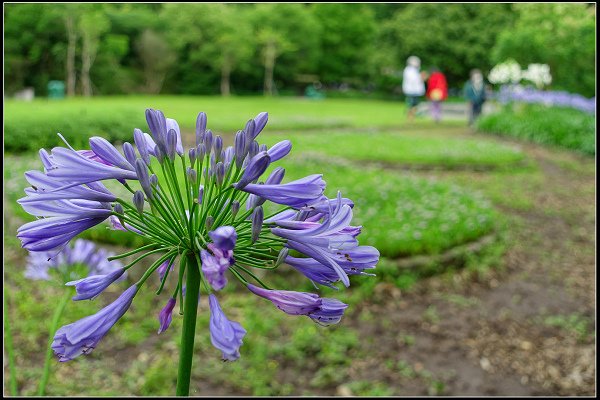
(186,207)
(82,259)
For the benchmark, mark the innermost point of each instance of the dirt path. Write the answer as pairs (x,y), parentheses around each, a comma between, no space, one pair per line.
(524,329)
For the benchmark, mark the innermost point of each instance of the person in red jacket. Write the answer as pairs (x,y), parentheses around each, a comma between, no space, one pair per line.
(437,91)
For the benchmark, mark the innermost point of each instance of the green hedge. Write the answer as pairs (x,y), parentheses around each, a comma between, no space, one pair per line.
(564,127)
(29,128)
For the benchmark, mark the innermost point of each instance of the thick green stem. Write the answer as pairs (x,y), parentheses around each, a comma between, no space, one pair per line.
(188,331)
(53,327)
(8,346)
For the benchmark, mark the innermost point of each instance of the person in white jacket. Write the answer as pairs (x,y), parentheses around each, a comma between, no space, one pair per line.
(413,86)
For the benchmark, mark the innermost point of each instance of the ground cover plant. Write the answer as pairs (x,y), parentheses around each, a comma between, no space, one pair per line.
(554,126)
(405,216)
(408,149)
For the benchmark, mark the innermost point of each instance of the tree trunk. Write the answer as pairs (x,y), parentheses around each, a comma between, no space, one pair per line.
(270,54)
(225,78)
(86,64)
(72,40)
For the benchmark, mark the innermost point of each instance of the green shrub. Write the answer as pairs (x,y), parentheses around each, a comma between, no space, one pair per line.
(556,126)
(35,125)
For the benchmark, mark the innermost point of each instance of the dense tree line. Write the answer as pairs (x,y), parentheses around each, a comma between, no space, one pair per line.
(282,48)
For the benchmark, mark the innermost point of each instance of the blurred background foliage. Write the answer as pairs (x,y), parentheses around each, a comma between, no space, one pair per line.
(282,48)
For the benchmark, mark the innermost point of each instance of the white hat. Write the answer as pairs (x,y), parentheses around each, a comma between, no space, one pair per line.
(414,61)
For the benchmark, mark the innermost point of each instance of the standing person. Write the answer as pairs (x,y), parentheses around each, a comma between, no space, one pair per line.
(437,91)
(475,93)
(412,85)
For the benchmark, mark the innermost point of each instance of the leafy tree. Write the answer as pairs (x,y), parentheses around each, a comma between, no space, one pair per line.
(34,46)
(210,37)
(157,58)
(560,35)
(288,32)
(92,24)
(452,37)
(347,41)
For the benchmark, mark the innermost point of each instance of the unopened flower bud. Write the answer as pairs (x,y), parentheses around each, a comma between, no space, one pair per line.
(220,173)
(257,222)
(209,222)
(281,257)
(235,207)
(171,144)
(200,128)
(200,151)
(218,146)
(200,194)
(138,201)
(129,153)
(154,180)
(250,128)
(119,209)
(141,169)
(240,148)
(208,140)
(192,155)
(192,175)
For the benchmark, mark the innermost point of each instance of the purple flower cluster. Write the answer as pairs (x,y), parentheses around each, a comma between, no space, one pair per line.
(550,98)
(194,215)
(83,253)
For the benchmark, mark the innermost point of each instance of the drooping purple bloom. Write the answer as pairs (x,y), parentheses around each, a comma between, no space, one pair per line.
(257,165)
(224,237)
(44,187)
(353,262)
(298,193)
(166,315)
(293,303)
(76,169)
(118,226)
(83,336)
(225,335)
(92,286)
(162,269)
(215,265)
(106,151)
(275,178)
(330,312)
(54,232)
(322,241)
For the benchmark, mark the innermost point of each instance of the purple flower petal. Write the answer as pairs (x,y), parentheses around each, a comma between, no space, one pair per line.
(225,335)
(82,337)
(166,315)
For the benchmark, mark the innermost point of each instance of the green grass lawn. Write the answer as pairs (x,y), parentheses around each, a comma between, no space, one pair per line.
(30,125)
(402,215)
(406,148)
